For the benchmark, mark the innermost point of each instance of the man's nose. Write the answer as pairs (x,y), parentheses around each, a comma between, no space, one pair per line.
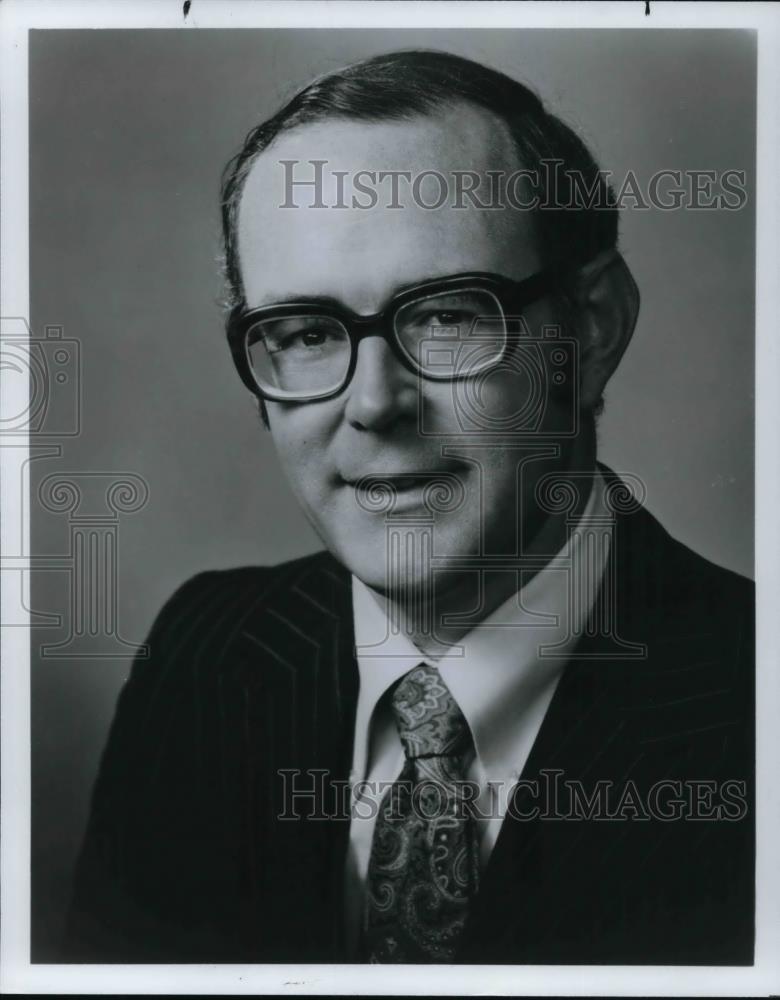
(381,390)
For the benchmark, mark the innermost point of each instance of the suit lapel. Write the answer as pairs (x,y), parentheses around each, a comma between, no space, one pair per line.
(298,683)
(542,865)
(538,862)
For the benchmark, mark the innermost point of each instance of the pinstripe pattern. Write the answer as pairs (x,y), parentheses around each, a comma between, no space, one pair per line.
(252,671)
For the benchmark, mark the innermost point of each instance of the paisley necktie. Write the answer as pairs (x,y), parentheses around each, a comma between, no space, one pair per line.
(424,866)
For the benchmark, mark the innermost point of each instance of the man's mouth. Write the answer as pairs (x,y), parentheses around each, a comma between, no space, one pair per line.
(422,470)
(382,492)
(401,479)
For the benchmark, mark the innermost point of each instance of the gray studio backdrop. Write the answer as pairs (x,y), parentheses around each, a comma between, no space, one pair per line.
(129,131)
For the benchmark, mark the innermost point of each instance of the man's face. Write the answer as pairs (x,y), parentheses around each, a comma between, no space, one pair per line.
(362,257)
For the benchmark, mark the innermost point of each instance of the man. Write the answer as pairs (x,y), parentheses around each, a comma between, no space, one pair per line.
(504,717)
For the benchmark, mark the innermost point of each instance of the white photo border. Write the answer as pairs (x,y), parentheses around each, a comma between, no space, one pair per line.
(17,974)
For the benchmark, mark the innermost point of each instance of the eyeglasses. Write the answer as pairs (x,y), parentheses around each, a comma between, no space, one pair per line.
(448,329)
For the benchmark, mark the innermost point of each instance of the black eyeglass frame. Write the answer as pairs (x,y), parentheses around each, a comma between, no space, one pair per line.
(513,296)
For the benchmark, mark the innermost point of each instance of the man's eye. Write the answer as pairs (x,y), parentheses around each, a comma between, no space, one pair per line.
(312,338)
(301,339)
(444,317)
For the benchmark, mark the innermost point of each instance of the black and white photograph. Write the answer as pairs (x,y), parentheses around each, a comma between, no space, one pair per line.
(389,461)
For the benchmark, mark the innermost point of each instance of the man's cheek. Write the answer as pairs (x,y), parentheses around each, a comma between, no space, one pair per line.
(299,467)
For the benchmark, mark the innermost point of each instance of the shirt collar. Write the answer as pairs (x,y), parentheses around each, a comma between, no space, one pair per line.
(383,654)
(502,668)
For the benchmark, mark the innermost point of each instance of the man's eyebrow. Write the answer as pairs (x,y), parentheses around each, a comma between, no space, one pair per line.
(290,300)
(331,300)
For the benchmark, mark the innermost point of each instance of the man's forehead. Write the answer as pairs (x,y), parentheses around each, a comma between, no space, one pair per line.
(461,137)
(302,248)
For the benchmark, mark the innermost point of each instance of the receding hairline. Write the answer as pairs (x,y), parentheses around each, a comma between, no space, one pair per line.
(500,148)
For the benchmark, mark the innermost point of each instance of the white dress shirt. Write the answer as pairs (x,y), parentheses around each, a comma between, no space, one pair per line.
(496,675)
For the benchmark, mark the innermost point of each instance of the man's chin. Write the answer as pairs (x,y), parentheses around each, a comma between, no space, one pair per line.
(395,580)
(402,567)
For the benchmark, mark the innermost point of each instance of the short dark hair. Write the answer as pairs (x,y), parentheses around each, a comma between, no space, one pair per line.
(406,84)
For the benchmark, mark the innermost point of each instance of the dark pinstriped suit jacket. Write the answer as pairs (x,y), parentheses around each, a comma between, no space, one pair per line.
(252,671)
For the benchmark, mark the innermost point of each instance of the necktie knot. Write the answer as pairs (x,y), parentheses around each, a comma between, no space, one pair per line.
(428,718)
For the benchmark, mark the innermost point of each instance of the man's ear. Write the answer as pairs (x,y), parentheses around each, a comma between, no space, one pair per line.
(607,302)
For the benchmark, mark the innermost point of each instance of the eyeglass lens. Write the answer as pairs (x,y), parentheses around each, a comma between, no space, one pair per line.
(446,335)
